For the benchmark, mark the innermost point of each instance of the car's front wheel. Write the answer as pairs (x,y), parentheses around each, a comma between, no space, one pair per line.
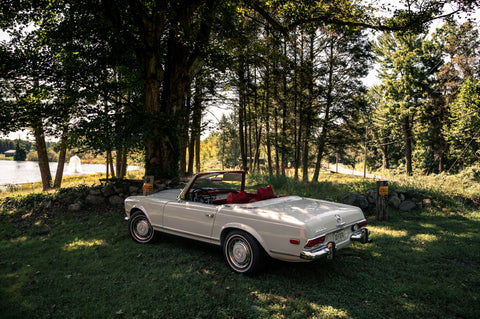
(140,228)
(243,253)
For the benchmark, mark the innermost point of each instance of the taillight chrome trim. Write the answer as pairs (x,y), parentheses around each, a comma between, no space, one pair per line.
(315,241)
(361,224)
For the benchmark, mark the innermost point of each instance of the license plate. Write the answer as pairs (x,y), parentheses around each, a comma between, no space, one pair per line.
(339,236)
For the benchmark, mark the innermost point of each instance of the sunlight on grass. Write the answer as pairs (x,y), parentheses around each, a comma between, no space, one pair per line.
(329,311)
(386,231)
(424,238)
(79,244)
(429,226)
(19,240)
(177,276)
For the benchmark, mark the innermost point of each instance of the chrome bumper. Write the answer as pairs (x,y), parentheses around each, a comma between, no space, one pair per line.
(361,236)
(328,250)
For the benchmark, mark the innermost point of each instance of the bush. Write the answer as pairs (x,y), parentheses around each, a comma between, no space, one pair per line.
(471,173)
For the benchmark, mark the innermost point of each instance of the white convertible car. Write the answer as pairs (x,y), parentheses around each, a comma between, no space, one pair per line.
(214,208)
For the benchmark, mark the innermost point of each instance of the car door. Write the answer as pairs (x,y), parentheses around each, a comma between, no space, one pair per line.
(190,218)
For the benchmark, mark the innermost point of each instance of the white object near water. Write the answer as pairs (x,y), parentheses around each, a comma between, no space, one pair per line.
(75,165)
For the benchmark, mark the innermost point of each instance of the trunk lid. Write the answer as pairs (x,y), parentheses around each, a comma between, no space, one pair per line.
(316,216)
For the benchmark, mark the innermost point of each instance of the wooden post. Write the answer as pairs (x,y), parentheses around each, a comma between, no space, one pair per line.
(382,200)
(148,182)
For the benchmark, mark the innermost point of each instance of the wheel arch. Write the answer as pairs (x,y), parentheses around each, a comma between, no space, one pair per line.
(135,209)
(245,228)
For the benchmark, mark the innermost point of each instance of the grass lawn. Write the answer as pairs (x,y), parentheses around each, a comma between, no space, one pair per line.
(59,264)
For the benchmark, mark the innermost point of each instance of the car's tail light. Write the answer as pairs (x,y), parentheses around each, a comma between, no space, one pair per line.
(315,241)
(359,225)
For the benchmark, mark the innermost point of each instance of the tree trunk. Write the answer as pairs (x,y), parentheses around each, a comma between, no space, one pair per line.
(307,79)
(284,163)
(121,162)
(297,123)
(184,136)
(61,161)
(109,164)
(112,169)
(267,123)
(43,164)
(241,114)
(278,149)
(383,150)
(326,117)
(183,60)
(407,133)
(197,154)
(195,130)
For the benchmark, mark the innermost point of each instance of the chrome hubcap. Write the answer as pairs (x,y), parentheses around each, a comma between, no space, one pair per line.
(142,228)
(240,254)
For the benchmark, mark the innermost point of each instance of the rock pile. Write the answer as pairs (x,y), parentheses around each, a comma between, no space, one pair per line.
(110,193)
(402,199)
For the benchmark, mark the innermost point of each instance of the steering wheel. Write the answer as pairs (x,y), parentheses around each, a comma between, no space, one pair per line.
(201,195)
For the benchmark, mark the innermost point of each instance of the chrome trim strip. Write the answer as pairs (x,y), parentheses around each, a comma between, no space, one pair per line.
(285,254)
(187,234)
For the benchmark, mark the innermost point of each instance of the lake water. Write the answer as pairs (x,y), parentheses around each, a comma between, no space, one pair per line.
(12,172)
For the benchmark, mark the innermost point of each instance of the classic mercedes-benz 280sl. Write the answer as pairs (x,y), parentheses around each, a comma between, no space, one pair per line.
(215,208)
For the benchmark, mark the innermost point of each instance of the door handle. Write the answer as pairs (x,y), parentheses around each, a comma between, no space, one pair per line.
(209,215)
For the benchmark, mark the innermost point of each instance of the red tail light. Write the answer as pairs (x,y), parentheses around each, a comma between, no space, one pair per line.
(359,225)
(315,241)
(363,223)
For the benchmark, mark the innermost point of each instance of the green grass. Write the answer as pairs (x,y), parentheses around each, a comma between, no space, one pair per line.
(59,264)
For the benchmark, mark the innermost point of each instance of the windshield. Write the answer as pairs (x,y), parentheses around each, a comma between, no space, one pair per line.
(214,188)
(214,181)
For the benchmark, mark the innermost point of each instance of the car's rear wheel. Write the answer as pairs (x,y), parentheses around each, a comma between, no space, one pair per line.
(140,228)
(243,253)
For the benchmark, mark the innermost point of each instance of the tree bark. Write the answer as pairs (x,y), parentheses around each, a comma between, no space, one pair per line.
(407,133)
(241,112)
(326,118)
(267,121)
(297,123)
(41,146)
(195,129)
(183,60)
(383,150)
(121,161)
(61,161)
(307,110)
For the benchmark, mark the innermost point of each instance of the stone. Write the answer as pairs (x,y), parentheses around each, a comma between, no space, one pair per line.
(372,195)
(394,201)
(356,200)
(75,207)
(48,204)
(407,205)
(108,191)
(95,200)
(132,189)
(115,200)
(427,202)
(119,189)
(95,192)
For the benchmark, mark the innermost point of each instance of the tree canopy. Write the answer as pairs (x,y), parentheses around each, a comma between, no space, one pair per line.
(116,75)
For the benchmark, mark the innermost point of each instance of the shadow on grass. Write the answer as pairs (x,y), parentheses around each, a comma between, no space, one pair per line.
(57,265)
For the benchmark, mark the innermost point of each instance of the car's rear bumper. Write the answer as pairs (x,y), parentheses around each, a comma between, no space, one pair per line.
(328,250)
